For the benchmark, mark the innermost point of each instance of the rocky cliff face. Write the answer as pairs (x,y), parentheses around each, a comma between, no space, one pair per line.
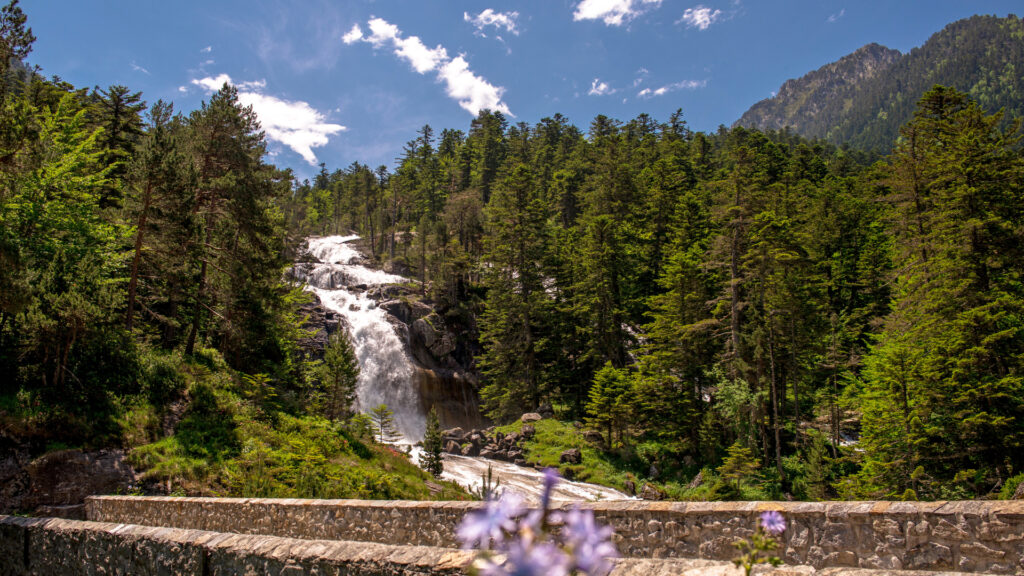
(815,101)
(59,479)
(445,374)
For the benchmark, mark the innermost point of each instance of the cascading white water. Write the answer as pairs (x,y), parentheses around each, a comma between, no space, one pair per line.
(385,369)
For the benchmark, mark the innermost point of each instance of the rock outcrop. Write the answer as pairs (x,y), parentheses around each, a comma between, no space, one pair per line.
(489,444)
(61,479)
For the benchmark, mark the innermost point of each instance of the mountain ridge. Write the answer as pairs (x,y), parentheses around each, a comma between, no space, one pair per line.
(863,98)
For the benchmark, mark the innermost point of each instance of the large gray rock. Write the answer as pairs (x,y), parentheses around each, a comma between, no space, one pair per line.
(571,456)
(431,332)
(530,417)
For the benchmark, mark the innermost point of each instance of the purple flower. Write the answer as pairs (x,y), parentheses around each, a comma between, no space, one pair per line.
(524,558)
(773,522)
(490,523)
(590,543)
(550,479)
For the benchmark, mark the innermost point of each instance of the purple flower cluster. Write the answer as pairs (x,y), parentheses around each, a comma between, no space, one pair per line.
(773,523)
(540,542)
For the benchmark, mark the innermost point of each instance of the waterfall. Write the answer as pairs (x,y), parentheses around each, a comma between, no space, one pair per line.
(385,369)
(387,373)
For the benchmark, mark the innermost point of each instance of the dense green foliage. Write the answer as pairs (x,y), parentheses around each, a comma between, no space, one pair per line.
(685,292)
(734,306)
(143,303)
(982,56)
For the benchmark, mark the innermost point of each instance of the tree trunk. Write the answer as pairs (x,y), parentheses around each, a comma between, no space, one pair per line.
(775,401)
(137,256)
(190,345)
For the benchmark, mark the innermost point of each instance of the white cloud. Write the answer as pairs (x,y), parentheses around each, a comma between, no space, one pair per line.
(640,75)
(835,17)
(212,84)
(207,50)
(598,88)
(700,17)
(613,12)
(423,59)
(138,68)
(383,31)
(684,85)
(472,92)
(489,17)
(295,124)
(353,35)
(183,89)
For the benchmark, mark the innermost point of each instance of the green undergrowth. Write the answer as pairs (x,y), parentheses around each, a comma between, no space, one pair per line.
(553,437)
(628,463)
(239,436)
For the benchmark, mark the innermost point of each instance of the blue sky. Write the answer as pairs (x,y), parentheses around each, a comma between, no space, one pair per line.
(344,81)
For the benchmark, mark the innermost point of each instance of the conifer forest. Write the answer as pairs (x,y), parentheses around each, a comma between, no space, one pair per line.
(784,317)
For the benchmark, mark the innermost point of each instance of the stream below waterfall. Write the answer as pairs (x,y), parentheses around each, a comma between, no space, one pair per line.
(386,369)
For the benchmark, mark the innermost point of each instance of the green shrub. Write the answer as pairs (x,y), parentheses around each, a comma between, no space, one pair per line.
(1010,487)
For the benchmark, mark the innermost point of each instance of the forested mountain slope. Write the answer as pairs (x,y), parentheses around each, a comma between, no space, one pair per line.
(863,99)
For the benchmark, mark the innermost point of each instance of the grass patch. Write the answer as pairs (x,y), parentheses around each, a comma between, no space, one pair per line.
(554,437)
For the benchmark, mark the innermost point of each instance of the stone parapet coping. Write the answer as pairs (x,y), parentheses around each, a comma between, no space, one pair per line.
(968,536)
(973,508)
(51,546)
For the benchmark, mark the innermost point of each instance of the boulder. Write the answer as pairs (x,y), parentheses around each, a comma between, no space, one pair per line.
(652,492)
(470,450)
(514,455)
(571,456)
(594,437)
(454,433)
(629,487)
(486,453)
(431,332)
(546,411)
(697,481)
(1019,493)
(452,447)
(520,462)
(530,417)
(528,431)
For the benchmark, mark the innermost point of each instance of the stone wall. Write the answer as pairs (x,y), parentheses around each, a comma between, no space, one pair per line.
(973,536)
(56,547)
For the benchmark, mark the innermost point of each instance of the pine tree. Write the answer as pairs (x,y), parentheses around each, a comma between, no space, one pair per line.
(432,459)
(949,358)
(511,327)
(610,401)
(739,463)
(338,375)
(384,424)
